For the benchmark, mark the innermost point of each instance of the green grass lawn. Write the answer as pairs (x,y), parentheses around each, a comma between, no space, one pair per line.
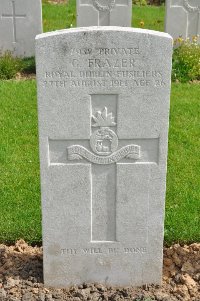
(153,17)
(19,175)
(63,16)
(183,179)
(19,164)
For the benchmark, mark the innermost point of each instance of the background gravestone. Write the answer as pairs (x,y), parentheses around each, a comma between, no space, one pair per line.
(182,18)
(20,22)
(103,100)
(104,12)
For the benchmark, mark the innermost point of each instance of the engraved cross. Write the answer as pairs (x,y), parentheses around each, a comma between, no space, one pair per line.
(14,16)
(103,9)
(104,152)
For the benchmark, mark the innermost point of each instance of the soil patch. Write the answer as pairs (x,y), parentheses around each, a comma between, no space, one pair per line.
(21,278)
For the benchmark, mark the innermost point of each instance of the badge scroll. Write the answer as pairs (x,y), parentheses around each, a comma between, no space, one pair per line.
(104,143)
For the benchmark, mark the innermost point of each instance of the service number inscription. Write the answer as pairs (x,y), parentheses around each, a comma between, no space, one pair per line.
(104,67)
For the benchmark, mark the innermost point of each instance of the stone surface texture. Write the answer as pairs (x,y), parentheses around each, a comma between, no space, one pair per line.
(20,22)
(21,278)
(103,100)
(182,18)
(104,13)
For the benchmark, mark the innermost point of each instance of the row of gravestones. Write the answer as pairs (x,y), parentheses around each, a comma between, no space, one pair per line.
(21,20)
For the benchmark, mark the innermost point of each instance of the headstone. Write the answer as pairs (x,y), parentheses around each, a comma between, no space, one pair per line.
(20,22)
(104,13)
(182,18)
(103,99)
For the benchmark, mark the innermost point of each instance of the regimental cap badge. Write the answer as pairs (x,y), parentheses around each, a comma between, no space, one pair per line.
(103,119)
(104,143)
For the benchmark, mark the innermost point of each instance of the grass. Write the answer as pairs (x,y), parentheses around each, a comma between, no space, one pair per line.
(60,16)
(19,175)
(152,17)
(64,16)
(19,164)
(10,66)
(183,190)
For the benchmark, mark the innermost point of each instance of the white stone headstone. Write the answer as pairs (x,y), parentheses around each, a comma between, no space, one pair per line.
(104,13)
(20,22)
(182,18)
(103,100)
